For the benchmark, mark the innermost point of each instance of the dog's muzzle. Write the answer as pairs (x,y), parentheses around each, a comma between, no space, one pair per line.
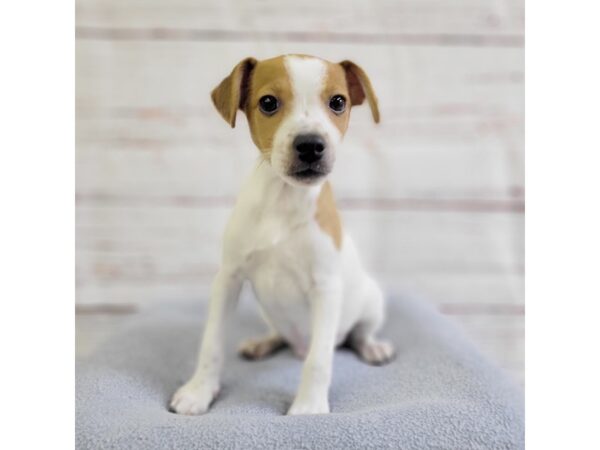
(309,147)
(309,162)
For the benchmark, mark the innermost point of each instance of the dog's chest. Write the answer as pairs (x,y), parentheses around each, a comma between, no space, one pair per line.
(278,264)
(281,253)
(275,236)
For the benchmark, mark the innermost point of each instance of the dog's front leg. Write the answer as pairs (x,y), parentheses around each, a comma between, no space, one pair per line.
(312,395)
(195,396)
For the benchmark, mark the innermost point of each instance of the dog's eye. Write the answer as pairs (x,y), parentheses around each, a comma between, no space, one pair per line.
(268,104)
(337,104)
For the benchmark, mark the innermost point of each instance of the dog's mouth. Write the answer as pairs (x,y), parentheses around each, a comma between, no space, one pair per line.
(310,173)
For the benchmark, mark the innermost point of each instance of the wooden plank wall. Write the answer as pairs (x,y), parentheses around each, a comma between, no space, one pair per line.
(434,195)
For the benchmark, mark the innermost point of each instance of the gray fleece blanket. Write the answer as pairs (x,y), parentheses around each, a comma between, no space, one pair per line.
(439,392)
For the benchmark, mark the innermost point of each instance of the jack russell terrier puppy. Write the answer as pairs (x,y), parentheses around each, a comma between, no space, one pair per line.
(285,235)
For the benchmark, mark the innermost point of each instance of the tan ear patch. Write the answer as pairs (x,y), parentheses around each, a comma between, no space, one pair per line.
(359,88)
(231,94)
(327,215)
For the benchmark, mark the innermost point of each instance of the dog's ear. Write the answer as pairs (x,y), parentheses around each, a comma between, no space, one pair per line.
(359,87)
(231,94)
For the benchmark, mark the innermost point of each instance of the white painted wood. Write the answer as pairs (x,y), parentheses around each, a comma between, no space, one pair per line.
(388,16)
(461,295)
(450,257)
(433,195)
(413,82)
(452,122)
(450,163)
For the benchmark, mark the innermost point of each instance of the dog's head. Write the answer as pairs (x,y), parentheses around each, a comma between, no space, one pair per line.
(298,109)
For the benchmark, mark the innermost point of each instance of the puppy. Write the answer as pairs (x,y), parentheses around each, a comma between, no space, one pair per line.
(285,235)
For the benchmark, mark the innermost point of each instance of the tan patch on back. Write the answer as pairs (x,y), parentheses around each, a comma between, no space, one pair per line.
(269,77)
(327,215)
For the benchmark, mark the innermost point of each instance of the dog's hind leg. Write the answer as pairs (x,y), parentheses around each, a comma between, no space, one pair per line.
(261,347)
(258,348)
(362,338)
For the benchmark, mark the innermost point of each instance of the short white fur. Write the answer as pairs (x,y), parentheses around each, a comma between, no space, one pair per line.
(314,296)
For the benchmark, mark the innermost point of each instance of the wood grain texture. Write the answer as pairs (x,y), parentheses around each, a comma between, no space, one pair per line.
(426,17)
(449,118)
(434,195)
(174,244)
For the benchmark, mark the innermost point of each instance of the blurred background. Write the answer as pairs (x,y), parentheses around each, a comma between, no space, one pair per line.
(434,195)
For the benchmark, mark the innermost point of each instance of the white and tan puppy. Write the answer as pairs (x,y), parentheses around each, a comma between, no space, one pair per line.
(285,236)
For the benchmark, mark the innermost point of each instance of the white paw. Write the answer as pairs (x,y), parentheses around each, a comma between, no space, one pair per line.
(193,398)
(315,405)
(376,352)
(258,348)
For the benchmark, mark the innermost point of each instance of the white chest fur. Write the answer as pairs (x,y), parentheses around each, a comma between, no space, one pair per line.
(274,239)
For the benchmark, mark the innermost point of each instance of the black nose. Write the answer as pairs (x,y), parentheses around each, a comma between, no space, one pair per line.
(309,147)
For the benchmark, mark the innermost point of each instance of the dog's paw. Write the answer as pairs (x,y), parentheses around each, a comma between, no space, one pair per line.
(259,348)
(193,398)
(376,352)
(314,405)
